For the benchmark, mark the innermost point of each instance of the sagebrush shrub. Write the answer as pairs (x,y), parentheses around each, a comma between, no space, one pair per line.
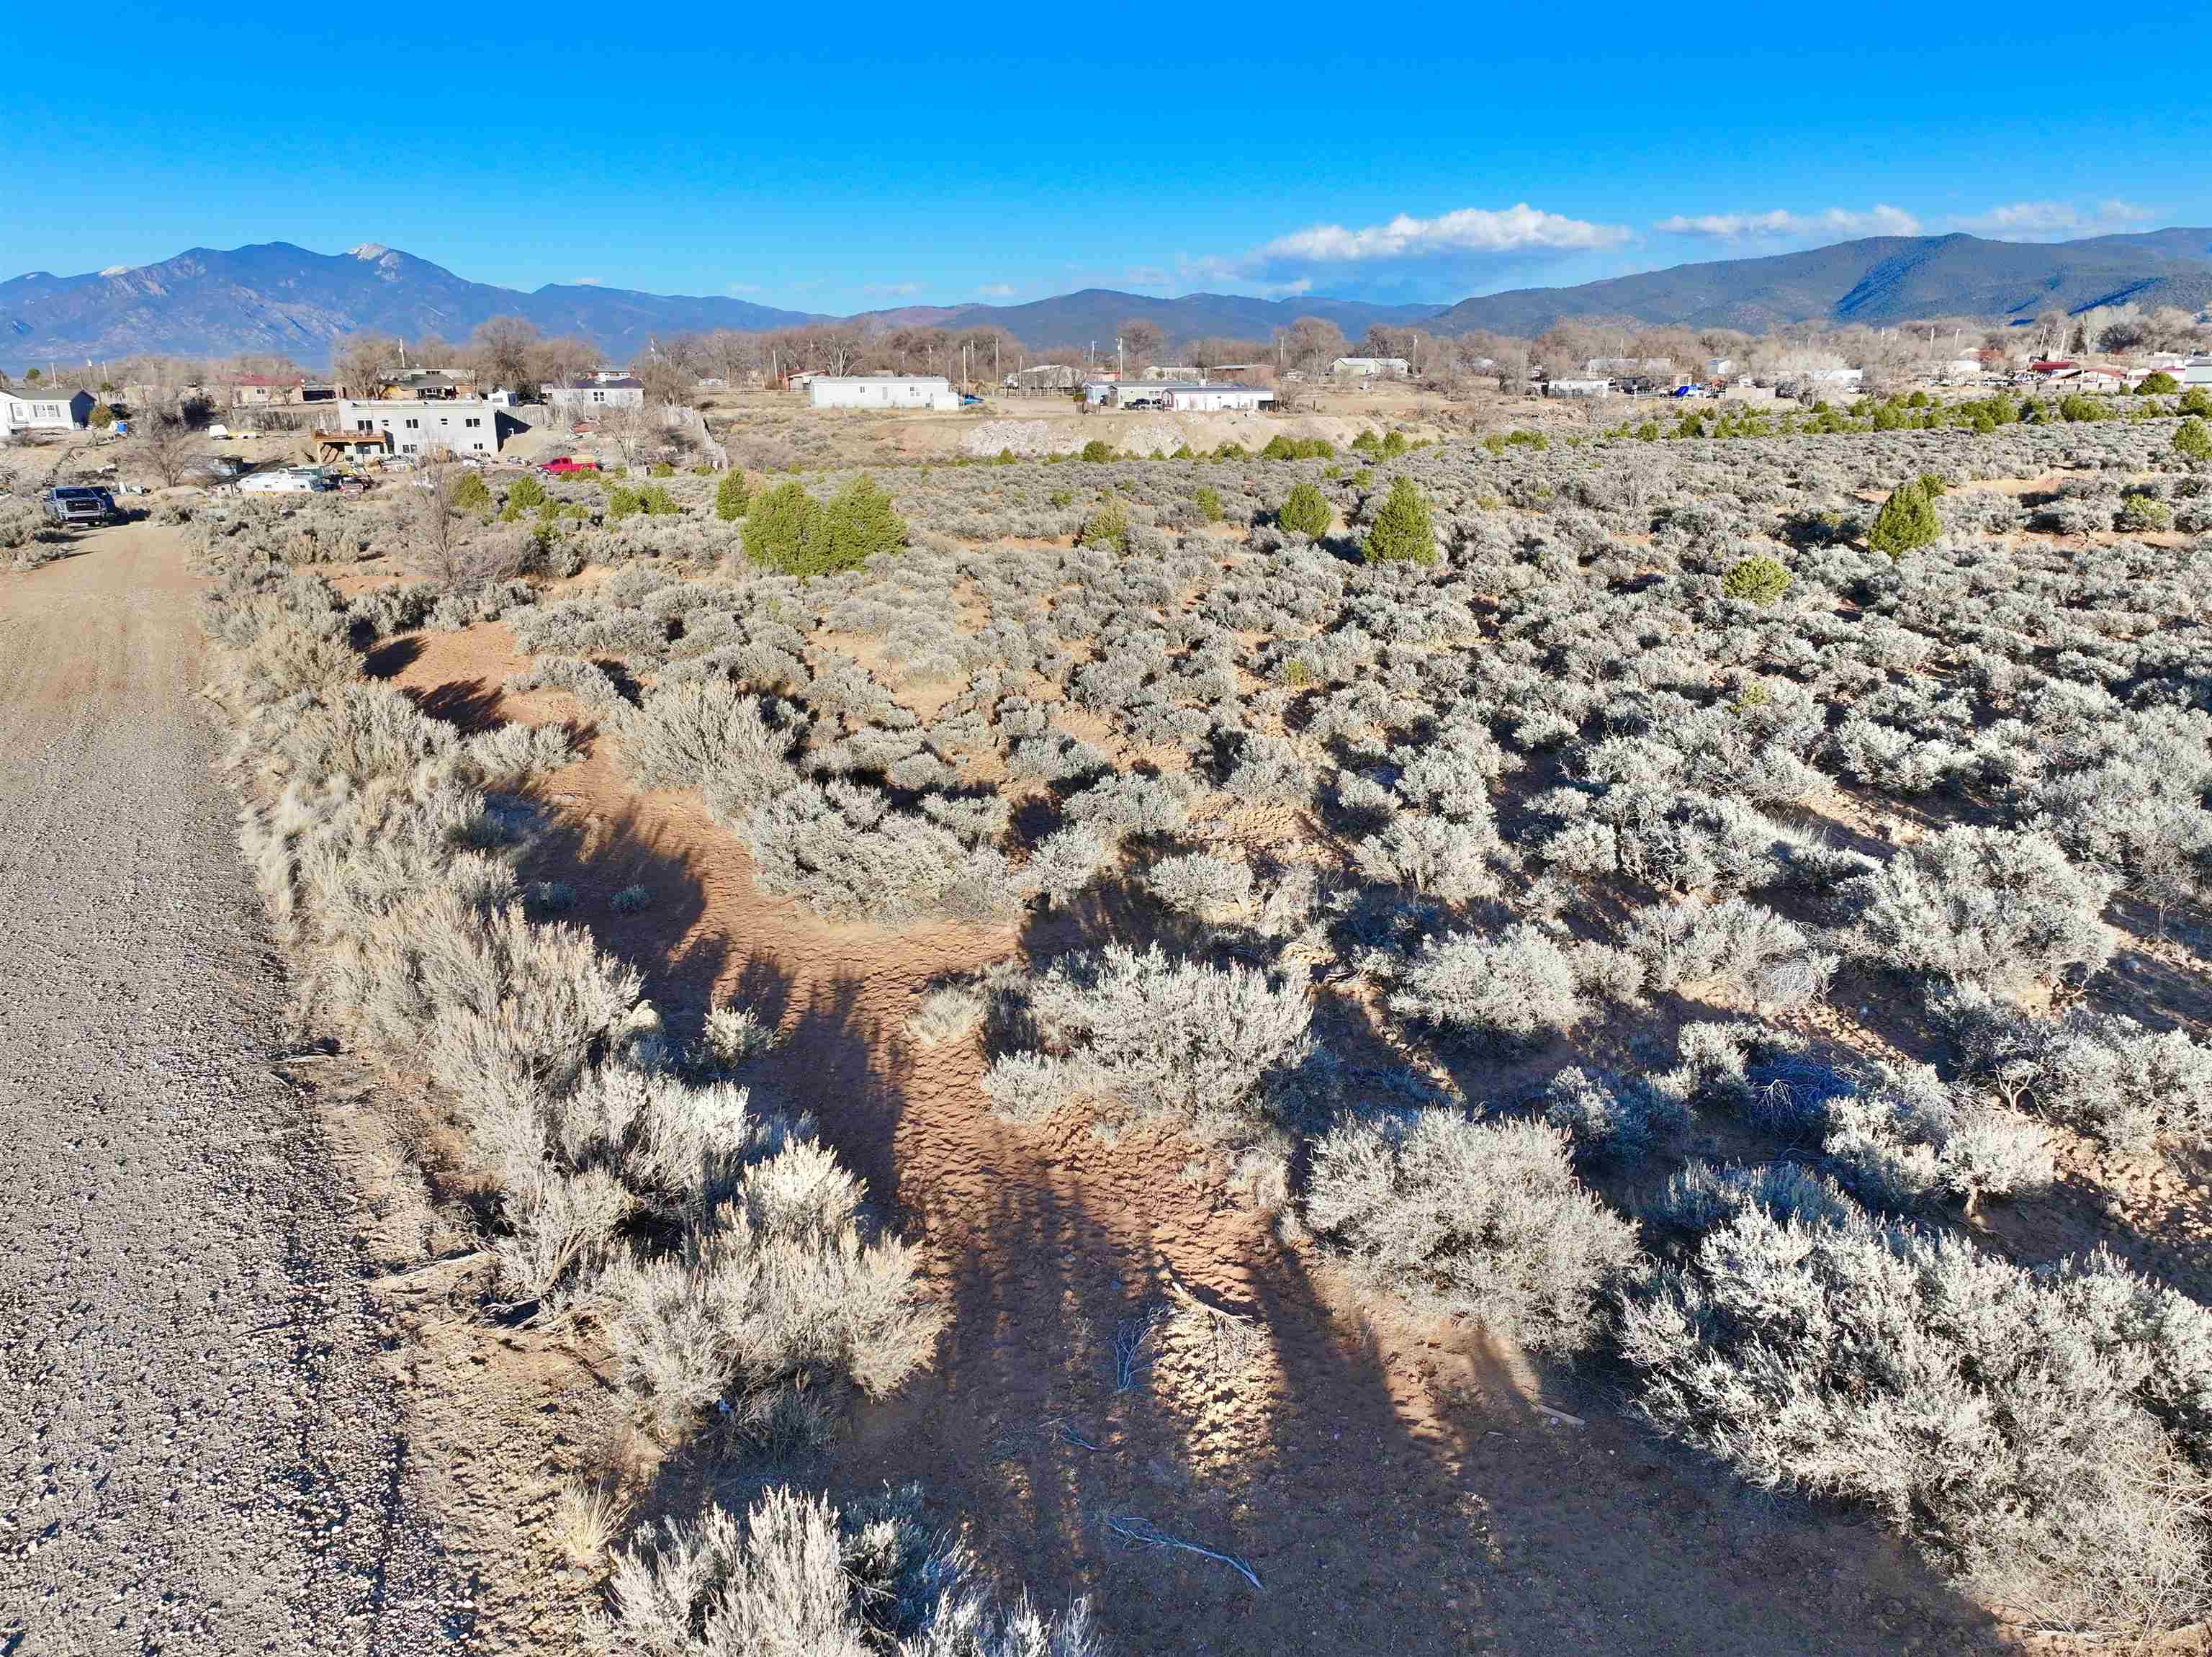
(1985,905)
(1519,986)
(783,1296)
(1147,1033)
(2043,1435)
(1610,1118)
(1479,1219)
(2101,1072)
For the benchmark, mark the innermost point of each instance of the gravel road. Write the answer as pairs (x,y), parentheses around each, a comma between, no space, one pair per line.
(199,1450)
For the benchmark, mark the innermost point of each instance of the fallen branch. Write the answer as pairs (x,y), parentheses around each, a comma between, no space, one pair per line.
(1560,1416)
(1132,1346)
(401,1279)
(1134,1528)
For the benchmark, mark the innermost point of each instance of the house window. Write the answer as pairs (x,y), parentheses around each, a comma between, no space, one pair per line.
(413,425)
(472,423)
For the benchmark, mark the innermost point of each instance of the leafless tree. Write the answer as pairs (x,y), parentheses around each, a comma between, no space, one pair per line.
(735,357)
(633,428)
(557,362)
(363,361)
(1143,343)
(1312,344)
(164,440)
(447,548)
(502,348)
(667,382)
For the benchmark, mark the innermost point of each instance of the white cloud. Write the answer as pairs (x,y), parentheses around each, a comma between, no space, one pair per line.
(1407,256)
(2055,220)
(1782,225)
(1518,228)
(585,281)
(996,290)
(741,288)
(892,289)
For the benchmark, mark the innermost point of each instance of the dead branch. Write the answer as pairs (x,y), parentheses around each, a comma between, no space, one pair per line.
(1135,1529)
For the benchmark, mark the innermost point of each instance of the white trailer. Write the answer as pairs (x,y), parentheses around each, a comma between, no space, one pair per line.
(882,391)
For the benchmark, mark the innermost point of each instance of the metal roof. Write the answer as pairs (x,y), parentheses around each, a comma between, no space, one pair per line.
(1149,387)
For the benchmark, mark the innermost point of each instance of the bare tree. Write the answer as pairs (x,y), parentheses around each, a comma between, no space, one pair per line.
(667,382)
(633,428)
(164,439)
(735,357)
(1143,344)
(557,362)
(1310,345)
(502,347)
(363,361)
(446,547)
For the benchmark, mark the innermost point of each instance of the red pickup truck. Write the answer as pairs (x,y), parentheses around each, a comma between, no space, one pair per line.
(562,465)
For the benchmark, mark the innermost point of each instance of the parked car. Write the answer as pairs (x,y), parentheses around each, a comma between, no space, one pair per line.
(562,465)
(77,504)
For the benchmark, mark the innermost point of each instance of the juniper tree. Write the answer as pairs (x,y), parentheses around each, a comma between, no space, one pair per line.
(1403,531)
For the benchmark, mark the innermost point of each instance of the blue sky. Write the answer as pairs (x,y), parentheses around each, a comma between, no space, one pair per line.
(936,155)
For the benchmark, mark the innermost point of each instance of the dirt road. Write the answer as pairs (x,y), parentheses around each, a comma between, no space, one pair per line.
(198,1452)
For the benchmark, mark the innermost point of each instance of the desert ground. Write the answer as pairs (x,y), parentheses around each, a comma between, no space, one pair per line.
(859,841)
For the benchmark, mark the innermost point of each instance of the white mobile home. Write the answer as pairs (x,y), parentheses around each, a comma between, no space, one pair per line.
(409,427)
(1578,388)
(1370,367)
(882,391)
(1206,398)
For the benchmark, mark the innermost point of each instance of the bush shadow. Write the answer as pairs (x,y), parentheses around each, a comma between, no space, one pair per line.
(1394,1484)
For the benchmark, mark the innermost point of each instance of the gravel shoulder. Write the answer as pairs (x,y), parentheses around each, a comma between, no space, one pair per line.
(199,1449)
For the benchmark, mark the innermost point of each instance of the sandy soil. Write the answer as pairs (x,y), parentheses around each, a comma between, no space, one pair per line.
(1394,1486)
(200,1449)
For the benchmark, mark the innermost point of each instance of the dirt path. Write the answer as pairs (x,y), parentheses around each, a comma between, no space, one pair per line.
(1395,1487)
(198,1450)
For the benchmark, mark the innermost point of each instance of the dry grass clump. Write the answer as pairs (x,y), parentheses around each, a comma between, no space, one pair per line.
(587,1520)
(797,1575)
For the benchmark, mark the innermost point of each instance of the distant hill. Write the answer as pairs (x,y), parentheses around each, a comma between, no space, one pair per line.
(1078,319)
(279,298)
(275,297)
(1878,280)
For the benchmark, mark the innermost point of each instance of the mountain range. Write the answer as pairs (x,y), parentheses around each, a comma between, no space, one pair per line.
(273,297)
